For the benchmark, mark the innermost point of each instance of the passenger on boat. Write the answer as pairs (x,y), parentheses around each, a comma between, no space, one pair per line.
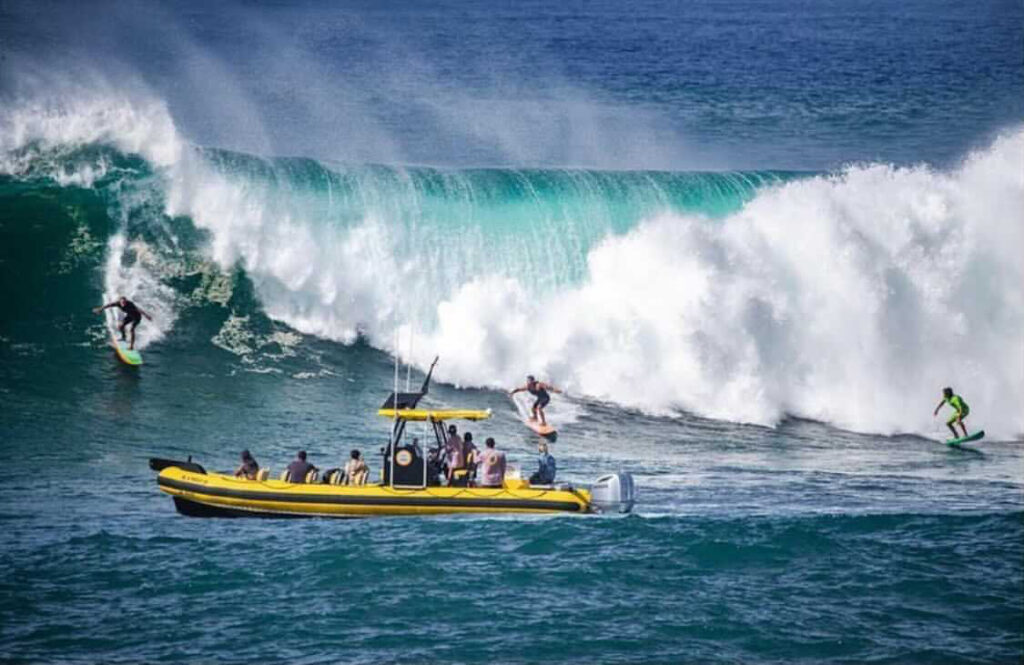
(545,474)
(299,467)
(471,458)
(454,452)
(249,468)
(492,465)
(356,470)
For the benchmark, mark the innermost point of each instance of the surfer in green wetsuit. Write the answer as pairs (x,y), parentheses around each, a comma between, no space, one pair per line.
(960,410)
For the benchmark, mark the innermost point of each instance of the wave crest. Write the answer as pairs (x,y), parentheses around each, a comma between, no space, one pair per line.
(850,298)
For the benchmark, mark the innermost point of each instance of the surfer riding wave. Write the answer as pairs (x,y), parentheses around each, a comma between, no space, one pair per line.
(538,389)
(132,316)
(960,410)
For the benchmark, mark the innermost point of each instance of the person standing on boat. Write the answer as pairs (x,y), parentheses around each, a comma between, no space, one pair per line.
(470,457)
(538,389)
(492,465)
(454,451)
(959,413)
(299,468)
(132,316)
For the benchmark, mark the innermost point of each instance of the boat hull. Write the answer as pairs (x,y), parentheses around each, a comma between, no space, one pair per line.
(218,495)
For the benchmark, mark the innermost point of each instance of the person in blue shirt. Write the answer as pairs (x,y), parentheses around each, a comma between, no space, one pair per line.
(545,474)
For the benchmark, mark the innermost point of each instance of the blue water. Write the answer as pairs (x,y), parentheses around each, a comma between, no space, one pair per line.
(749,238)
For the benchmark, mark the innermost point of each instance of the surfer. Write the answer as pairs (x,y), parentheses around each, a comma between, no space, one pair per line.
(538,389)
(132,315)
(960,410)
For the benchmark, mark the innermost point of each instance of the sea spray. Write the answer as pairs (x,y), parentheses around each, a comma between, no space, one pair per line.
(849,298)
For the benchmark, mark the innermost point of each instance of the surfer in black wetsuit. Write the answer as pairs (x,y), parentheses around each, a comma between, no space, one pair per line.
(538,389)
(132,315)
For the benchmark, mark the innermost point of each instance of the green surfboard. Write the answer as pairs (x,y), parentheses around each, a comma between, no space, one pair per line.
(124,354)
(980,434)
(127,356)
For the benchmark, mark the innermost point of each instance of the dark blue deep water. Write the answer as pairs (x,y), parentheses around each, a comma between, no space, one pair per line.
(595,192)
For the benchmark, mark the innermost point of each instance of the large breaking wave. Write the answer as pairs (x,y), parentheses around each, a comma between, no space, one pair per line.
(849,297)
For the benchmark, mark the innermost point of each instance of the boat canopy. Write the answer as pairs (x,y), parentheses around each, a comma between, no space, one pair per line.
(436,415)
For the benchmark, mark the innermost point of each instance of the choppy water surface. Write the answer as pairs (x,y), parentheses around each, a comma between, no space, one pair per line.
(752,241)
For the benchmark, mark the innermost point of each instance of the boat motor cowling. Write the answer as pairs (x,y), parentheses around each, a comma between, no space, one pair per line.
(613,493)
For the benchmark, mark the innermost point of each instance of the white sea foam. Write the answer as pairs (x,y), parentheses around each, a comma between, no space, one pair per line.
(129,272)
(851,298)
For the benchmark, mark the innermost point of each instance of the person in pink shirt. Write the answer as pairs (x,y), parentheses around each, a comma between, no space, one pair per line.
(454,451)
(492,465)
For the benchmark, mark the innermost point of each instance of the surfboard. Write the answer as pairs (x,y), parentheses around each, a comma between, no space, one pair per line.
(523,408)
(546,431)
(980,434)
(124,354)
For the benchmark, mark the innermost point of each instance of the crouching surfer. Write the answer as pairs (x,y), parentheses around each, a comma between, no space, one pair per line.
(132,316)
(538,389)
(960,410)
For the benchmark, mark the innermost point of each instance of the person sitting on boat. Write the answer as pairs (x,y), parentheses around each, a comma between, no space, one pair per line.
(356,470)
(299,467)
(132,316)
(249,468)
(545,474)
(538,389)
(492,465)
(960,410)
(454,452)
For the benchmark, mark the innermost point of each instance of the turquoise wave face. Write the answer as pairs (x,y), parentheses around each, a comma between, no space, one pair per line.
(538,223)
(65,205)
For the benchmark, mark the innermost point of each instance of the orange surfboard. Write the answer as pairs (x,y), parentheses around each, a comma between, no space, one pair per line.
(543,430)
(522,407)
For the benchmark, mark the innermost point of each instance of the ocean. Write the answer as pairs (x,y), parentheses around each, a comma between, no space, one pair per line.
(752,241)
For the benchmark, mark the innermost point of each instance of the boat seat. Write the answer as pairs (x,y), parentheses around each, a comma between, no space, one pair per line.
(336,477)
(460,478)
(312,476)
(262,475)
(358,478)
(284,476)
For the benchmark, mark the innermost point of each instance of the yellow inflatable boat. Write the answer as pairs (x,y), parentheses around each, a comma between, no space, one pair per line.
(410,481)
(202,494)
